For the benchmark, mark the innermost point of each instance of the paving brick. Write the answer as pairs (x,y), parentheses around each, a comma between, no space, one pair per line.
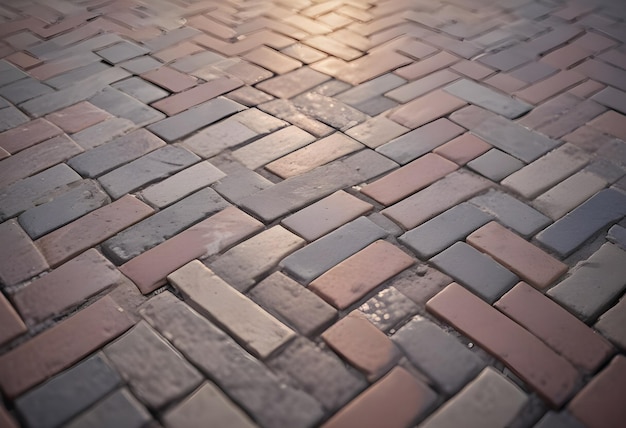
(68,394)
(420,141)
(13,326)
(10,117)
(599,404)
(246,380)
(28,135)
(212,140)
(20,261)
(563,419)
(360,94)
(329,110)
(70,78)
(138,88)
(23,60)
(78,200)
(570,121)
(422,86)
(610,324)
(409,179)
(445,360)
(495,164)
(196,61)
(484,97)
(272,60)
(24,90)
(505,83)
(617,235)
(176,377)
(163,225)
(258,121)
(249,96)
(241,184)
(77,117)
(285,110)
(462,149)
(566,56)
(427,66)
(310,262)
(102,132)
(612,98)
(355,277)
(61,346)
(426,109)
(182,101)
(550,111)
(533,72)
(610,122)
(444,230)
(291,84)
(490,400)
(555,326)
(275,145)
(435,199)
(396,400)
(370,66)
(122,105)
(91,229)
(62,64)
(208,404)
(572,230)
(376,131)
(594,284)
(363,345)
(121,150)
(36,159)
(553,377)
(602,72)
(388,308)
(191,120)
(10,73)
(170,79)
(514,139)
(119,409)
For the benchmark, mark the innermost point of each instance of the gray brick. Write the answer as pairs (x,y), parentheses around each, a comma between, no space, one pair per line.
(511,212)
(329,111)
(76,75)
(24,90)
(563,419)
(196,61)
(141,65)
(241,184)
(291,84)
(556,37)
(617,235)
(594,284)
(572,230)
(183,124)
(371,89)
(122,51)
(157,380)
(479,272)
(376,131)
(34,190)
(244,378)
(79,200)
(388,308)
(122,105)
(102,132)
(285,110)
(120,410)
(420,141)
(489,99)
(171,38)
(9,73)
(514,139)
(316,258)
(444,230)
(293,304)
(422,86)
(162,225)
(10,117)
(84,47)
(140,89)
(154,166)
(438,355)
(216,138)
(68,393)
(495,165)
(376,105)
(321,374)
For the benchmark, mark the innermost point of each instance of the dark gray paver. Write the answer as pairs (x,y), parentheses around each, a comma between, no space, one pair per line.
(244,378)
(329,111)
(322,374)
(514,139)
(387,308)
(444,230)
(122,105)
(10,73)
(371,89)
(495,165)
(176,376)
(120,410)
(140,89)
(196,61)
(511,212)
(313,260)
(68,393)
(140,65)
(102,132)
(479,272)
(24,90)
(10,117)
(183,124)
(151,167)
(422,86)
(617,235)
(78,200)
(438,355)
(216,138)
(572,230)
(76,75)
(562,419)
(34,190)
(171,38)
(420,141)
(109,156)
(163,225)
(594,284)
(241,184)
(489,99)
(287,111)
(122,51)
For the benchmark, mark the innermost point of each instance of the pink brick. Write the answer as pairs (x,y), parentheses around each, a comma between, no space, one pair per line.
(550,87)
(19,258)
(426,109)
(78,117)
(612,123)
(12,324)
(170,79)
(27,135)
(463,149)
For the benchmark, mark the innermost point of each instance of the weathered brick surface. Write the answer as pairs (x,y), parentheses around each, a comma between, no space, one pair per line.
(29,261)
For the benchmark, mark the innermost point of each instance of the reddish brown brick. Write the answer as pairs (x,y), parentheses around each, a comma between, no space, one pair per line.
(27,135)
(352,279)
(12,324)
(61,346)
(518,255)
(426,109)
(363,345)
(19,258)
(561,330)
(67,286)
(553,377)
(149,269)
(550,87)
(409,179)
(472,69)
(4,154)
(566,56)
(23,60)
(91,229)
(463,149)
(586,89)
(170,79)
(612,123)
(505,83)
(6,420)
(396,400)
(78,117)
(600,404)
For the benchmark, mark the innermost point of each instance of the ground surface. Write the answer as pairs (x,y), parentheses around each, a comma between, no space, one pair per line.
(300,213)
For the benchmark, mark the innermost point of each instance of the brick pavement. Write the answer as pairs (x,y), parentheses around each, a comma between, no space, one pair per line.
(302,213)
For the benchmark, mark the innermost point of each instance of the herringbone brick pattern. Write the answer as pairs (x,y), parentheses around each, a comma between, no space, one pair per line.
(300,213)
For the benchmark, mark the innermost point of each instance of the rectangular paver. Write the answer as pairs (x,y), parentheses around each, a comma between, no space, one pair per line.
(489,99)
